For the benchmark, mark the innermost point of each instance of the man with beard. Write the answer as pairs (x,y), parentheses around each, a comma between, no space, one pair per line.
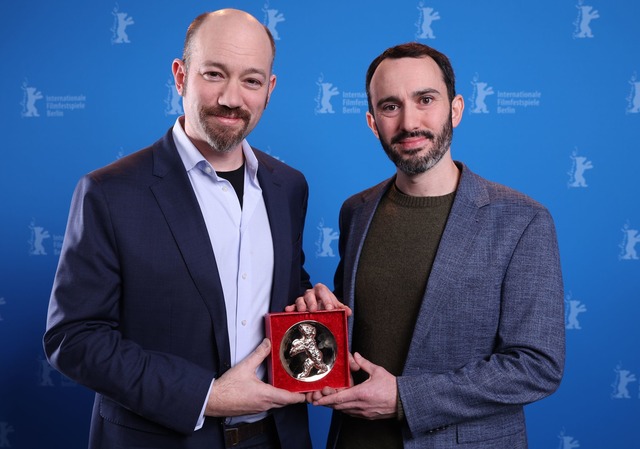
(172,257)
(454,283)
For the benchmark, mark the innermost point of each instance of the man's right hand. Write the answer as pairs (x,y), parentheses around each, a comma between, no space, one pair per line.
(240,392)
(317,298)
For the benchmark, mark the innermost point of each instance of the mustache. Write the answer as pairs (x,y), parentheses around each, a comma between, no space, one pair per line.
(408,134)
(227,112)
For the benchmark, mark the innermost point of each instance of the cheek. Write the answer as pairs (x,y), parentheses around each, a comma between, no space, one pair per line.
(256,104)
(385,128)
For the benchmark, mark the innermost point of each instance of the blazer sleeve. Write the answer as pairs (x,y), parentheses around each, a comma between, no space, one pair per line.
(526,361)
(83,338)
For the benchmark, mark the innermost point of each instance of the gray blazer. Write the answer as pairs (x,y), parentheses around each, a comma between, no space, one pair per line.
(489,337)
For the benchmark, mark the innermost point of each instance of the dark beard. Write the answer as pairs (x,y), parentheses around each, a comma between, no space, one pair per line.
(220,138)
(412,164)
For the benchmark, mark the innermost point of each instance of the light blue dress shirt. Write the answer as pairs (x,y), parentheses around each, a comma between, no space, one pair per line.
(242,245)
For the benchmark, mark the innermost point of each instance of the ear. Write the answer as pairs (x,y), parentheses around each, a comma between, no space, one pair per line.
(179,74)
(457,106)
(371,122)
(272,85)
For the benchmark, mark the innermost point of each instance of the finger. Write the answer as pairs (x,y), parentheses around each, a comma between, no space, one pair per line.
(316,395)
(337,399)
(328,300)
(290,308)
(283,397)
(363,363)
(353,365)
(305,303)
(258,355)
(326,391)
(295,398)
(325,296)
(299,305)
(310,300)
(332,401)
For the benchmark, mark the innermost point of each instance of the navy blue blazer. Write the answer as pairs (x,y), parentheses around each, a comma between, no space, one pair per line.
(137,312)
(489,337)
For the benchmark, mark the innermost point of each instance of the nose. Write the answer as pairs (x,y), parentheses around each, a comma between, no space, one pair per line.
(230,95)
(410,118)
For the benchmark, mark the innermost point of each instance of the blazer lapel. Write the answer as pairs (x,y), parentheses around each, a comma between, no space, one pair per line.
(180,207)
(459,234)
(277,210)
(358,229)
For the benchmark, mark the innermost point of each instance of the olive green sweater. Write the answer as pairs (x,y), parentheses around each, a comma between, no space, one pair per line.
(393,270)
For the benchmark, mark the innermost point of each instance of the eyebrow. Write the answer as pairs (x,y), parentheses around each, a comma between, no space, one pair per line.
(417,93)
(224,67)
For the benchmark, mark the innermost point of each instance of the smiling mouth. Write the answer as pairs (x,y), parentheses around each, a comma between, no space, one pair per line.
(412,146)
(410,140)
(227,119)
(413,141)
(226,115)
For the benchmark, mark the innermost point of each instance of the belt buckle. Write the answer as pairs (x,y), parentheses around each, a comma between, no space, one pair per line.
(232,436)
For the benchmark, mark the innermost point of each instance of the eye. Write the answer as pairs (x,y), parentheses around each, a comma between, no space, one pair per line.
(212,75)
(254,83)
(426,100)
(389,109)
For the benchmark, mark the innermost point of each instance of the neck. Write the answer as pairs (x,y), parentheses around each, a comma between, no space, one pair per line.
(439,180)
(229,161)
(223,161)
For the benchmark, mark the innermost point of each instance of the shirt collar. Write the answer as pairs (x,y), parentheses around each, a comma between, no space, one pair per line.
(191,157)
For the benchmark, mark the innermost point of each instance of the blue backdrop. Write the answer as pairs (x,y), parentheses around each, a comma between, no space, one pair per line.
(552,92)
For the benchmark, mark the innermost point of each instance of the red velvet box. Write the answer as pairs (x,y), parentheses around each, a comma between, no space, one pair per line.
(309,350)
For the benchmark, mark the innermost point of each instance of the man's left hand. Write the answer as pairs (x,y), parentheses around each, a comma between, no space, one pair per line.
(375,398)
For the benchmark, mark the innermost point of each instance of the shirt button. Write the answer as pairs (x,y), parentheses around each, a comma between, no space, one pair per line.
(207,169)
(244,275)
(224,188)
(244,322)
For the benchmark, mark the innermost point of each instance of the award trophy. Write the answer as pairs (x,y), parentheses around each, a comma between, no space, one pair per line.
(309,350)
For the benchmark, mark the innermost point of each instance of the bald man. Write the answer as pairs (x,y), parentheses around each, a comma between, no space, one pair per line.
(173,255)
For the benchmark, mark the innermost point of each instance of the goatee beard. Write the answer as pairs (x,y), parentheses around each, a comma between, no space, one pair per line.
(413,164)
(221,138)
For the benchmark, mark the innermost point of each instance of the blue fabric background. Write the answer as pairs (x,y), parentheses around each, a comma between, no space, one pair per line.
(560,121)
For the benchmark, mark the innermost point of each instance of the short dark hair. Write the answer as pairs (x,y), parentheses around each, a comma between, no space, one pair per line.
(195,26)
(414,50)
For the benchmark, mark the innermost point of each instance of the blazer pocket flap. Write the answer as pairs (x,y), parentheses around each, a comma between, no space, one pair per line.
(113,412)
(490,428)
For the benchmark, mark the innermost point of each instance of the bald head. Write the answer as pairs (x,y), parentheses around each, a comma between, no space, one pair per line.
(227,24)
(225,79)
